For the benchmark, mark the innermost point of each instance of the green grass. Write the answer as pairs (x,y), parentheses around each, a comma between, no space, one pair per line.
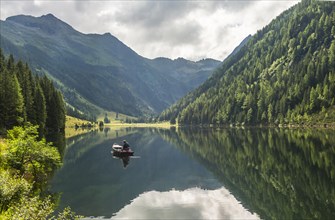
(112,117)
(70,123)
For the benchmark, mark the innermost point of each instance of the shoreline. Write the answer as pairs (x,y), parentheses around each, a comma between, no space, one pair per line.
(71,131)
(140,125)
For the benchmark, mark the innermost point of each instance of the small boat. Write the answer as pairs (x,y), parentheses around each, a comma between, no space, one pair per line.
(119,152)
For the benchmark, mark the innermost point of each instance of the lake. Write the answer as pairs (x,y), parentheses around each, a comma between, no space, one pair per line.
(200,174)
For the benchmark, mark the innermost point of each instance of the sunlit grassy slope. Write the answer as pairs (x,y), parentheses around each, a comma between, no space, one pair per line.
(113,119)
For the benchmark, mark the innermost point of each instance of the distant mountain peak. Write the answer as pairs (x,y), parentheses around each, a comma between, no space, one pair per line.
(49,16)
(21,18)
(180,59)
(48,23)
(18,18)
(98,71)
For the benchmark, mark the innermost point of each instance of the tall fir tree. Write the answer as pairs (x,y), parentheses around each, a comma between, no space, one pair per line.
(55,106)
(40,108)
(26,82)
(11,100)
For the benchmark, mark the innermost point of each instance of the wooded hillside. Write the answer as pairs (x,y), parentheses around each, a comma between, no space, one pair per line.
(284,74)
(25,97)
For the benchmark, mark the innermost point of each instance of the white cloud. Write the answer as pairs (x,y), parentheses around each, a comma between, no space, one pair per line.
(190,29)
(194,203)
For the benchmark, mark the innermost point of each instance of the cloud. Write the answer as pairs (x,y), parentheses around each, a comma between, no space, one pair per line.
(194,203)
(190,29)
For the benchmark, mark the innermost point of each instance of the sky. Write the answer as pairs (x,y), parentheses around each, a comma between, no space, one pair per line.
(192,29)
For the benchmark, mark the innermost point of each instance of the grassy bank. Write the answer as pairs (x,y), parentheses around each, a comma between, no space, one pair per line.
(70,126)
(114,117)
(71,122)
(120,124)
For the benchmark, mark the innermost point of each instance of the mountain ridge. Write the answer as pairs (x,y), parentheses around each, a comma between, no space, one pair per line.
(284,74)
(96,71)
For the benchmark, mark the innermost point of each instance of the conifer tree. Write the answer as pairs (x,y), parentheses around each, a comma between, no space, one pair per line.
(26,81)
(11,100)
(40,108)
(55,106)
(28,98)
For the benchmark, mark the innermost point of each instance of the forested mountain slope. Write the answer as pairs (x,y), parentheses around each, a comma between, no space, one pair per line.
(284,74)
(26,98)
(95,71)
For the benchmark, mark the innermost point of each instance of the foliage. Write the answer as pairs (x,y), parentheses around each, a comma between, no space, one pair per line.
(284,74)
(33,208)
(11,99)
(28,98)
(12,188)
(106,119)
(55,107)
(33,159)
(26,165)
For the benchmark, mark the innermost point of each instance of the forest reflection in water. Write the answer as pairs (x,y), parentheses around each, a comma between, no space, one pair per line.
(271,173)
(277,173)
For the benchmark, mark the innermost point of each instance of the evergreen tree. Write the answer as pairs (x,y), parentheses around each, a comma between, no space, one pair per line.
(55,107)
(40,108)
(26,82)
(28,98)
(11,100)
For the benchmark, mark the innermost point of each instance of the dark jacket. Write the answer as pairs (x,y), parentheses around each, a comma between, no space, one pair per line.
(126,146)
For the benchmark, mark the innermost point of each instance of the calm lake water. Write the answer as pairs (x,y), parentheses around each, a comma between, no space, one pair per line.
(201,174)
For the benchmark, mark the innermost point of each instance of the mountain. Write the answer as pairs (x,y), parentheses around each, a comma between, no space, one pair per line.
(192,74)
(284,74)
(98,72)
(239,47)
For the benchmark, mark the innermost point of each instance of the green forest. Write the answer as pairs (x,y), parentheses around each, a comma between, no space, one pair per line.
(285,74)
(30,107)
(25,97)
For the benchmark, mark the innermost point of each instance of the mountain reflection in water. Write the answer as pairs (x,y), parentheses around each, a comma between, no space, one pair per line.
(203,173)
(194,203)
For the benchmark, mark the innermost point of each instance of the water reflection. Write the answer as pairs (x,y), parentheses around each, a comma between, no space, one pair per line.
(125,160)
(58,140)
(276,173)
(93,183)
(193,203)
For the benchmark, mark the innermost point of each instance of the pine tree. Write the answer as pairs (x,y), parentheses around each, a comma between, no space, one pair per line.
(55,107)
(40,108)
(11,101)
(26,82)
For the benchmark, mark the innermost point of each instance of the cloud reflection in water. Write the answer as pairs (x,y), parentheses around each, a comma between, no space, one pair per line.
(194,203)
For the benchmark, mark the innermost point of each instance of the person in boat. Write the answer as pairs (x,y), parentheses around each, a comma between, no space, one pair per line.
(125,145)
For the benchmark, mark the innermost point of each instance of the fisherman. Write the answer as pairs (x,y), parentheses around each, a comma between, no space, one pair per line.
(125,145)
